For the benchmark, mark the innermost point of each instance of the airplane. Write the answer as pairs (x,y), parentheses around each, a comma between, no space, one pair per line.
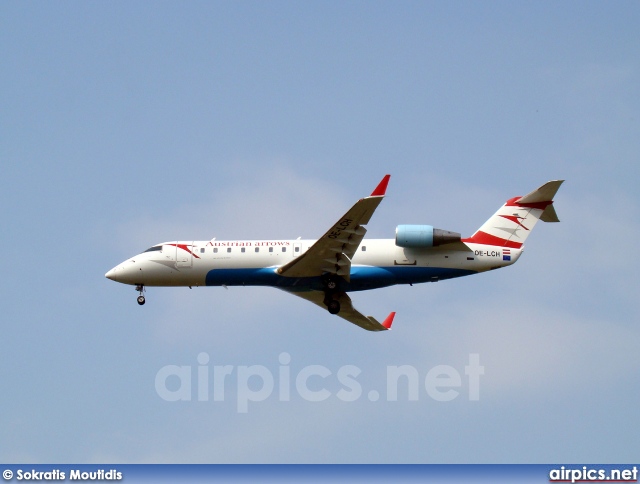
(325,270)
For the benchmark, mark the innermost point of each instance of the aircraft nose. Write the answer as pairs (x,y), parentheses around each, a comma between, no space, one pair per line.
(111,274)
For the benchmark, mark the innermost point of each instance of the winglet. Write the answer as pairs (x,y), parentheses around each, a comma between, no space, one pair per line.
(381,188)
(389,321)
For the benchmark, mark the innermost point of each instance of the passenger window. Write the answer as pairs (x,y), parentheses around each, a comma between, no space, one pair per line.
(297,249)
(270,249)
(202,250)
(242,250)
(284,249)
(228,249)
(257,249)
(364,248)
(215,250)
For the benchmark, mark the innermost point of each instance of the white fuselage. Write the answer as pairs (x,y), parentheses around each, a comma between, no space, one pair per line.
(377,263)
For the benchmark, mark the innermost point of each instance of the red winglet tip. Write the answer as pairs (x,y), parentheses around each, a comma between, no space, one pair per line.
(381,188)
(389,321)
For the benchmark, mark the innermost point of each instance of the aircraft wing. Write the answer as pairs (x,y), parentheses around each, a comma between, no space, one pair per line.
(347,310)
(332,253)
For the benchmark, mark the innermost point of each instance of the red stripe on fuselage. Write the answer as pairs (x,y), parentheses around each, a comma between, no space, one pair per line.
(184,247)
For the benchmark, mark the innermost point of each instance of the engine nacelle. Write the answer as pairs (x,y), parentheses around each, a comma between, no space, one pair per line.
(423,236)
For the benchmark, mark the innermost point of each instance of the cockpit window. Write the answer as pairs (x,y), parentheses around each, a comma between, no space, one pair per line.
(154,248)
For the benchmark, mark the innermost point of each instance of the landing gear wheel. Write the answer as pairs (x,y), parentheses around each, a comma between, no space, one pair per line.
(330,282)
(140,289)
(333,307)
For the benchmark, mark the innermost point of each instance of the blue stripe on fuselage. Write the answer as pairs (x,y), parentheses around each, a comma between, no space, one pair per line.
(362,277)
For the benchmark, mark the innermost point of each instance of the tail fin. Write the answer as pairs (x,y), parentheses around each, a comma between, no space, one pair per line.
(512,223)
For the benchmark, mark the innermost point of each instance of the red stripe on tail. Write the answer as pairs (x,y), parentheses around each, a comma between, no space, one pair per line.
(488,239)
(513,202)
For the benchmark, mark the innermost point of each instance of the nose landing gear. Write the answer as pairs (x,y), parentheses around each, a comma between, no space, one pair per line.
(140,289)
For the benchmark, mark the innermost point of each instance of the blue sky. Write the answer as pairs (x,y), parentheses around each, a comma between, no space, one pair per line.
(126,124)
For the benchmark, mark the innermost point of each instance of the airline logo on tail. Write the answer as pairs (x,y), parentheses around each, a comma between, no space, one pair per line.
(512,223)
(515,219)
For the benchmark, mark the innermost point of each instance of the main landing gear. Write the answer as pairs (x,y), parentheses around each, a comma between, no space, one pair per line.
(330,288)
(333,306)
(140,289)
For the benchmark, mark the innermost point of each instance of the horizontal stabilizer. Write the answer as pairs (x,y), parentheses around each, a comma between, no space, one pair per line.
(543,194)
